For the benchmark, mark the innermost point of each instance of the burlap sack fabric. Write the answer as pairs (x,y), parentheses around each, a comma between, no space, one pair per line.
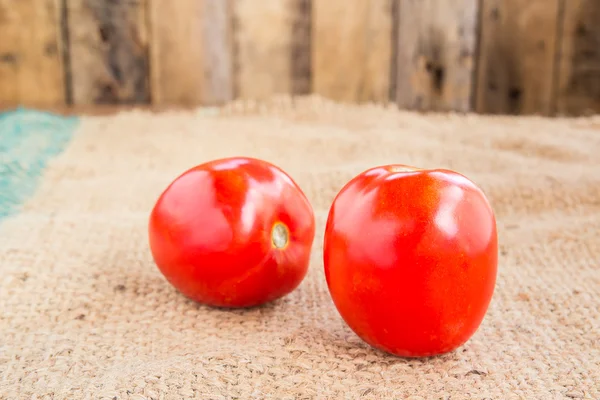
(85,314)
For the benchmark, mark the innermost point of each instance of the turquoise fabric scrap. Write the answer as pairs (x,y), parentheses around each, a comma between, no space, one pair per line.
(28,140)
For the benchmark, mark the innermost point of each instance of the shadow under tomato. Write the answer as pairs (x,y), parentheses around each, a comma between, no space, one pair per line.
(343,350)
(264,309)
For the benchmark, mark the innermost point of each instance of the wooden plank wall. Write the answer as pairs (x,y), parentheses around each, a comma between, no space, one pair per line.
(31,62)
(270,38)
(514,57)
(578,71)
(435,54)
(352,49)
(108,56)
(517,56)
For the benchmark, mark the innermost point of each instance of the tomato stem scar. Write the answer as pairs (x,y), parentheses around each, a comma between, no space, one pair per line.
(280,235)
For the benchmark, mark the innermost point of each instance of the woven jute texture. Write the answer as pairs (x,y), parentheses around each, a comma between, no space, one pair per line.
(85,314)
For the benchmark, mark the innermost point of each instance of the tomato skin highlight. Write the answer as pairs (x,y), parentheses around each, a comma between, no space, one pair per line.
(410,258)
(232,232)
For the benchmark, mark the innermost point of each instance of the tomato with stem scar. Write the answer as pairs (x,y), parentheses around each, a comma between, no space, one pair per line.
(232,232)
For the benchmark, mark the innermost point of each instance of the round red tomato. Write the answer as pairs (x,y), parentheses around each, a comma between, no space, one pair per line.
(410,258)
(233,232)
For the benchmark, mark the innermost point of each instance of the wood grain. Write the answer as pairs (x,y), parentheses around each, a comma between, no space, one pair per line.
(272,46)
(352,47)
(436,54)
(218,52)
(191,52)
(31,51)
(301,51)
(108,51)
(517,56)
(579,67)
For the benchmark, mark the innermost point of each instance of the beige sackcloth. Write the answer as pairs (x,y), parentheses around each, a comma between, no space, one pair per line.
(85,314)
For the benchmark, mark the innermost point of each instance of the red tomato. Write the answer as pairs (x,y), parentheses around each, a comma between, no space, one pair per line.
(234,232)
(410,258)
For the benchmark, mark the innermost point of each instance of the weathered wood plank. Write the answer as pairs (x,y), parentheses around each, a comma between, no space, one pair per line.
(31,53)
(517,56)
(579,68)
(191,52)
(108,51)
(301,57)
(176,52)
(272,43)
(352,47)
(436,54)
(218,52)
